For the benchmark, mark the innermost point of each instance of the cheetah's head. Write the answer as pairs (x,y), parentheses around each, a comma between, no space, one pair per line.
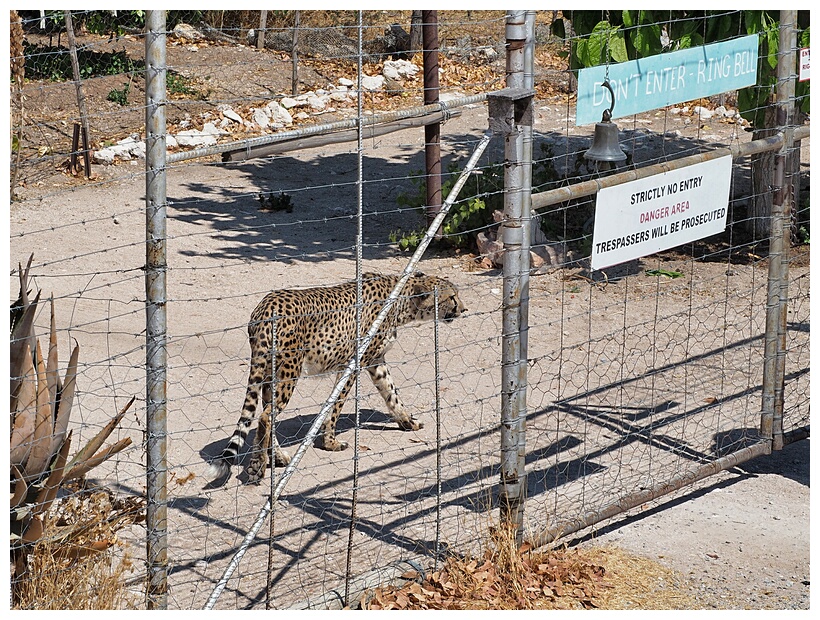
(423,298)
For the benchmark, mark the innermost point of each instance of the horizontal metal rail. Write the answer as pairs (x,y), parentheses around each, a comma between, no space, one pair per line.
(551,197)
(326,128)
(346,135)
(632,500)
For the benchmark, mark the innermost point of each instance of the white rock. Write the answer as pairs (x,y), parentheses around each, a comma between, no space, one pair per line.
(338,95)
(399,69)
(278,113)
(449,96)
(261,118)
(704,113)
(486,54)
(194,137)
(170,142)
(290,102)
(346,82)
(104,156)
(229,112)
(300,116)
(185,31)
(138,150)
(210,128)
(372,82)
(317,104)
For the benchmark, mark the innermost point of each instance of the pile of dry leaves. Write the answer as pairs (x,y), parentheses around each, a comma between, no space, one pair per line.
(506,577)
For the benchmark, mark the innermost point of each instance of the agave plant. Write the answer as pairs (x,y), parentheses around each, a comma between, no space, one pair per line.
(40,441)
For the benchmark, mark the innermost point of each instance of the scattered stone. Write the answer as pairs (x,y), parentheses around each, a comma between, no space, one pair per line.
(278,114)
(399,69)
(704,113)
(317,104)
(229,113)
(260,118)
(346,82)
(485,55)
(187,32)
(195,137)
(104,156)
(372,82)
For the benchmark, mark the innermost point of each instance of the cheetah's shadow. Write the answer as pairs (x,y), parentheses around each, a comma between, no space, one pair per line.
(291,431)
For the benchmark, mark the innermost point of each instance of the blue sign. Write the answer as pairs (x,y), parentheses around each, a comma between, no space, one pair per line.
(665,79)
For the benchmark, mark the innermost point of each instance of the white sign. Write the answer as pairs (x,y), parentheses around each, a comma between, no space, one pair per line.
(804,64)
(660,212)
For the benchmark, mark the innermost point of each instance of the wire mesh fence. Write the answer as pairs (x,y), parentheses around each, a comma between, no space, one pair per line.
(636,377)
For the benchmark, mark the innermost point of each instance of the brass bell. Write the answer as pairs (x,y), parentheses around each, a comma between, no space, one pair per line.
(605,145)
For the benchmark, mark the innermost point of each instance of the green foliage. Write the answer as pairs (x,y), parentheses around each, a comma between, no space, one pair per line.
(179,85)
(120,95)
(485,188)
(54,64)
(630,35)
(664,272)
(466,217)
(106,23)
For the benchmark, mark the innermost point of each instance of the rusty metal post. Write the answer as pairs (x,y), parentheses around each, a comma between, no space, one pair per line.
(432,132)
(510,112)
(75,69)
(294,56)
(263,25)
(155,311)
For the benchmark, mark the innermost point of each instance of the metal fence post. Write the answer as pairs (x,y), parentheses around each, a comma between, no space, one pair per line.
(774,359)
(155,310)
(510,112)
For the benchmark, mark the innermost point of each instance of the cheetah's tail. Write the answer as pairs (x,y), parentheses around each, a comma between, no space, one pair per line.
(219,468)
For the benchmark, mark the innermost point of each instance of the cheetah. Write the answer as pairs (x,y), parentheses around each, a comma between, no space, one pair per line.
(316,333)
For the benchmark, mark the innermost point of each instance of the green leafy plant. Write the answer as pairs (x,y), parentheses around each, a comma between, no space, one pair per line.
(485,194)
(664,272)
(180,87)
(53,64)
(631,35)
(119,95)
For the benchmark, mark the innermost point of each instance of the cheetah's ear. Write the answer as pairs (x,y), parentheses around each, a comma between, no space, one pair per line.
(421,296)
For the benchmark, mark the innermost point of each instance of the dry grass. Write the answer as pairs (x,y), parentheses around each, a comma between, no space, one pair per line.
(505,577)
(511,577)
(90,571)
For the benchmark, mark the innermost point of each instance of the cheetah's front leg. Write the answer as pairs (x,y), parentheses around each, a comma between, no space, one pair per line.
(327,440)
(384,383)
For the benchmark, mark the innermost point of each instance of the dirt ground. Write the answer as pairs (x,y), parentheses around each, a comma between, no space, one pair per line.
(740,539)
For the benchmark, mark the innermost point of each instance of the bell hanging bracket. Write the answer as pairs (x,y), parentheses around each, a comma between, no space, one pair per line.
(605,145)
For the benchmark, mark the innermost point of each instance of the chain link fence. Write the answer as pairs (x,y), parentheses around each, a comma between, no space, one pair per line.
(631,381)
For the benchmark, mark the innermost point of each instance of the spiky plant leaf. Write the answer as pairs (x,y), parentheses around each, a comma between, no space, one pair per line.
(41,454)
(20,488)
(19,306)
(64,401)
(21,347)
(52,375)
(24,410)
(90,449)
(82,468)
(49,491)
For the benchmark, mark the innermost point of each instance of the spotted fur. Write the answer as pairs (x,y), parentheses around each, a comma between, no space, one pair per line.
(316,333)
